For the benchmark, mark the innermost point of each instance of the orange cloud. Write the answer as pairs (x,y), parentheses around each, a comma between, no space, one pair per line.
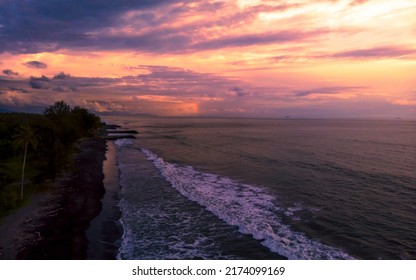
(191,57)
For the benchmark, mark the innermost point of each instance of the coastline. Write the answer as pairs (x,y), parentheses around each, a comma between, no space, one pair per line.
(105,230)
(54,225)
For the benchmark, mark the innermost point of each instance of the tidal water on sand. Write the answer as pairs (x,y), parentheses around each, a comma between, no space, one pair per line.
(195,188)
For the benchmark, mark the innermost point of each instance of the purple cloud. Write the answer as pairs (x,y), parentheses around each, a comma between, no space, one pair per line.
(378,52)
(50,25)
(163,80)
(39,82)
(9,72)
(256,39)
(239,92)
(14,89)
(325,90)
(36,64)
(61,76)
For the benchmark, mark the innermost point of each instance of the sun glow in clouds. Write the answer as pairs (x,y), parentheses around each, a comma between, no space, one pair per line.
(239,58)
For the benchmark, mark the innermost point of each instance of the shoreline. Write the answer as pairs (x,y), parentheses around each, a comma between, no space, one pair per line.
(105,230)
(55,224)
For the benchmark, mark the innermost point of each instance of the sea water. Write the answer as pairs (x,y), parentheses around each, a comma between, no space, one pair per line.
(200,188)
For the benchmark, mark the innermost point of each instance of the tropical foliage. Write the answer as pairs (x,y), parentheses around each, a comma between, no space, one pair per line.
(36,147)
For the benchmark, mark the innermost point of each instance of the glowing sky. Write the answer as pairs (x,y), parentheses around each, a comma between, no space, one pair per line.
(249,58)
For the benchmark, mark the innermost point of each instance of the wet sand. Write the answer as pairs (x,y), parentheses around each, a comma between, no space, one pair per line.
(104,233)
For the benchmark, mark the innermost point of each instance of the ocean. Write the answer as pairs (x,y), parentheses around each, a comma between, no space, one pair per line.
(213,188)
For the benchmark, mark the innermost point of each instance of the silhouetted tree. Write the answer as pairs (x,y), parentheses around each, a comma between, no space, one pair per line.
(23,138)
(86,121)
(58,109)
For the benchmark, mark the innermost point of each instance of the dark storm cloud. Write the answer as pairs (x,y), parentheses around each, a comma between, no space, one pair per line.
(35,26)
(32,26)
(36,64)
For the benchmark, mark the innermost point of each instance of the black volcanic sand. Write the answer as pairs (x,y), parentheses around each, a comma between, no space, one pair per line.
(62,225)
(105,229)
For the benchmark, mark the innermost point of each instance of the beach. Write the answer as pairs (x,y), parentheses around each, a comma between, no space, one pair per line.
(54,225)
(209,189)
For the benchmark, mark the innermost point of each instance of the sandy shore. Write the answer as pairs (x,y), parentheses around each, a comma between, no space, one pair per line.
(17,229)
(54,225)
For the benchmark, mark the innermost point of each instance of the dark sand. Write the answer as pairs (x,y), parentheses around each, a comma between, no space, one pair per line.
(105,229)
(54,225)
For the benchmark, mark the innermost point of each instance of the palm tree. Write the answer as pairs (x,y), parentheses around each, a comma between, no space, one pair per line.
(23,138)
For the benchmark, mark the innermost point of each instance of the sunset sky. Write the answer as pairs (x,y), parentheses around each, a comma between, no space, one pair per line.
(243,58)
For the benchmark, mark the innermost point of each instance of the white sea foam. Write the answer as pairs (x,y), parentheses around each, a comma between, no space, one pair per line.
(123,142)
(155,229)
(249,207)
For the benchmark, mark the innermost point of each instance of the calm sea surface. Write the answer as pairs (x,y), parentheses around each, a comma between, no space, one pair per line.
(195,188)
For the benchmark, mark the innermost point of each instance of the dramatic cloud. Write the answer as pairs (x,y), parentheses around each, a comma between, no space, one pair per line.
(213,57)
(36,64)
(167,84)
(49,26)
(34,26)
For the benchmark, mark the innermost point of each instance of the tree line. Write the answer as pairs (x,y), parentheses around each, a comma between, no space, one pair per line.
(44,141)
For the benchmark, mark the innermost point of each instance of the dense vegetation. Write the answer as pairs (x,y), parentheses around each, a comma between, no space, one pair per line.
(41,144)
